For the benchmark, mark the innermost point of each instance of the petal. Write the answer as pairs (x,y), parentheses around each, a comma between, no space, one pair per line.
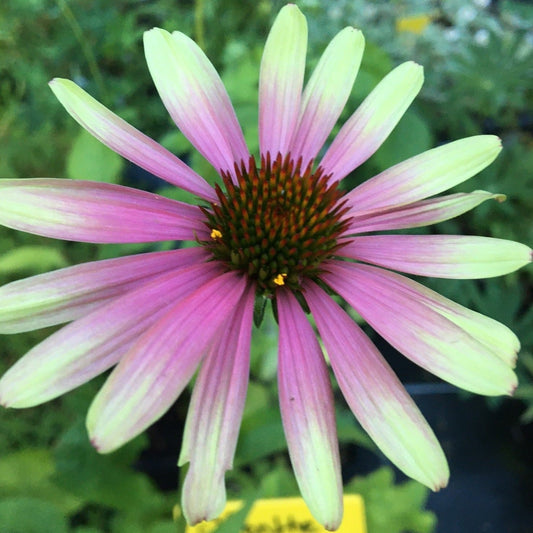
(127,141)
(440,256)
(71,293)
(371,124)
(92,344)
(308,414)
(418,214)
(440,336)
(195,97)
(326,93)
(281,81)
(375,394)
(96,212)
(156,369)
(427,174)
(215,415)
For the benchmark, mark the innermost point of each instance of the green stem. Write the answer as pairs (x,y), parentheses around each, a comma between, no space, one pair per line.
(85,48)
(199,23)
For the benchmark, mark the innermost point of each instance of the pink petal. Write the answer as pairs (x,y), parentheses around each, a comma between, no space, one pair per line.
(71,293)
(92,344)
(127,141)
(326,93)
(366,130)
(96,212)
(441,256)
(440,336)
(281,81)
(162,361)
(417,214)
(375,394)
(215,415)
(195,97)
(426,174)
(308,413)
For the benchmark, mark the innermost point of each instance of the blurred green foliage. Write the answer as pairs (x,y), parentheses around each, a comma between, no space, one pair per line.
(393,508)
(478,80)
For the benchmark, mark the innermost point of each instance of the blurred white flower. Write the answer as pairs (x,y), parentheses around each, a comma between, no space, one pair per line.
(452,34)
(482,3)
(369,11)
(335,12)
(482,37)
(466,14)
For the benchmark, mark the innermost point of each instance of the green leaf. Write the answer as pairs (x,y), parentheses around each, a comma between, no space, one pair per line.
(376,64)
(411,136)
(175,193)
(278,481)
(350,432)
(104,479)
(19,468)
(89,159)
(6,171)
(177,143)
(130,523)
(235,521)
(30,515)
(162,526)
(261,430)
(393,508)
(262,440)
(376,60)
(264,350)
(28,473)
(526,359)
(527,416)
(31,259)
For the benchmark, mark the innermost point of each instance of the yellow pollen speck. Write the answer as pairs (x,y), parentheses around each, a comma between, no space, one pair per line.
(216,234)
(280,279)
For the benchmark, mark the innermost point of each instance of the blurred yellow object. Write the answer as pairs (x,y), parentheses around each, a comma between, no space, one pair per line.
(288,515)
(413,24)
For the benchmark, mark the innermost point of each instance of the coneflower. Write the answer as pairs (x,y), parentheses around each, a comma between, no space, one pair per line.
(279,228)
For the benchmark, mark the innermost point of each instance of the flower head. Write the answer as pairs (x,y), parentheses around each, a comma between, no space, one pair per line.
(278,227)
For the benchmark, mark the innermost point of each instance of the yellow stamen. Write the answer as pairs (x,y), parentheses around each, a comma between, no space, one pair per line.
(216,234)
(280,279)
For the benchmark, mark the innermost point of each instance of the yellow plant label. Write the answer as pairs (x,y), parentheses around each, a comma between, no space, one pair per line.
(287,515)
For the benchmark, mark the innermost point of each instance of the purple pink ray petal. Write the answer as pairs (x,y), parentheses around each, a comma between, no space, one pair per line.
(366,130)
(281,80)
(308,413)
(416,327)
(441,256)
(156,369)
(70,293)
(426,174)
(95,212)
(215,414)
(375,394)
(89,346)
(326,93)
(417,214)
(127,141)
(195,97)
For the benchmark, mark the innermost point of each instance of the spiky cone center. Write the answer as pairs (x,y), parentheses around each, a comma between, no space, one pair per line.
(277,224)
